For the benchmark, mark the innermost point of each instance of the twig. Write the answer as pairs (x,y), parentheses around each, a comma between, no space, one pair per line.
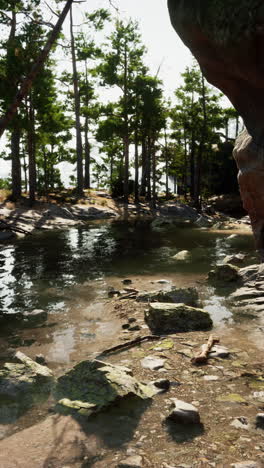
(134,342)
(202,357)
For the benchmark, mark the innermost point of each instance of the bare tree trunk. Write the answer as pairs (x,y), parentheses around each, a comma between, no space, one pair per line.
(25,168)
(136,166)
(87,147)
(126,136)
(166,164)
(149,169)
(154,195)
(27,82)
(31,153)
(198,181)
(79,151)
(144,168)
(16,165)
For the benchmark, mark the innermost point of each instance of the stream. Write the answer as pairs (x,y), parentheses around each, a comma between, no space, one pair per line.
(68,273)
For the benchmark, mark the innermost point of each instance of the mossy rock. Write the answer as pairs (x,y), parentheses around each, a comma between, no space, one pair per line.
(188,296)
(225,273)
(93,385)
(163,318)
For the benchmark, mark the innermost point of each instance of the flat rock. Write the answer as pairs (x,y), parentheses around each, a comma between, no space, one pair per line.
(183,413)
(165,318)
(35,317)
(152,362)
(211,378)
(217,351)
(135,461)
(240,423)
(93,385)
(188,296)
(237,259)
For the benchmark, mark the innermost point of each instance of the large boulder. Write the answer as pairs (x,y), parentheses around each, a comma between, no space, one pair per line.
(93,385)
(22,384)
(165,318)
(188,296)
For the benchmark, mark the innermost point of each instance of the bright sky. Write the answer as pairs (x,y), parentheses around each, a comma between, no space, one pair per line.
(165,49)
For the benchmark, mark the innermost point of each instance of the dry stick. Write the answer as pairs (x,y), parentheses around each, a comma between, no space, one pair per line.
(202,357)
(134,342)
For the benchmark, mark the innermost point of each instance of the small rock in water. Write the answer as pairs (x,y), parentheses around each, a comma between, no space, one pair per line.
(182,256)
(35,317)
(127,281)
(260,420)
(40,359)
(184,413)
(163,281)
(135,461)
(152,363)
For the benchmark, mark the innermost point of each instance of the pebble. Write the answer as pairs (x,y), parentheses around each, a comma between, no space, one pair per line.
(152,363)
(211,377)
(131,320)
(163,384)
(127,281)
(40,359)
(135,461)
(240,423)
(184,413)
(260,419)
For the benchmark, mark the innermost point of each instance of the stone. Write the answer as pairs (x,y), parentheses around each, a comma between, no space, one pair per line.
(203,222)
(237,259)
(35,317)
(134,461)
(152,363)
(131,320)
(240,423)
(225,273)
(188,296)
(40,359)
(163,281)
(183,413)
(182,256)
(135,328)
(126,326)
(96,384)
(211,378)
(23,384)
(246,464)
(258,396)
(179,212)
(165,318)
(260,419)
(217,351)
(127,281)
(163,384)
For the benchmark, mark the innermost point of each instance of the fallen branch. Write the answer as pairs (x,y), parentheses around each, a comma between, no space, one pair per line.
(202,357)
(134,342)
(5,225)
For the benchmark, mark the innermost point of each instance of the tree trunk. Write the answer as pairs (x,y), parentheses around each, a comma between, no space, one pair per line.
(149,169)
(154,177)
(87,148)
(126,136)
(25,168)
(79,151)
(31,154)
(27,82)
(166,165)
(16,165)
(136,167)
(144,168)
(198,181)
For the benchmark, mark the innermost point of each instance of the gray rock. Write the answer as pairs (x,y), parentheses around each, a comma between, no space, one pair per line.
(93,385)
(237,259)
(258,396)
(135,328)
(163,281)
(23,384)
(131,320)
(217,351)
(165,318)
(225,273)
(188,296)
(152,362)
(135,461)
(182,256)
(240,423)
(179,211)
(211,378)
(246,464)
(35,317)
(183,413)
(203,222)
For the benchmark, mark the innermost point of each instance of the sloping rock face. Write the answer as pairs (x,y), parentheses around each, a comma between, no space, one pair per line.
(227,38)
(249,298)
(165,318)
(93,385)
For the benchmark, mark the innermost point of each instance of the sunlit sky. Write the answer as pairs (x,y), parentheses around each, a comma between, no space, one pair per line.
(166,52)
